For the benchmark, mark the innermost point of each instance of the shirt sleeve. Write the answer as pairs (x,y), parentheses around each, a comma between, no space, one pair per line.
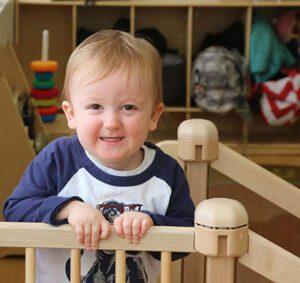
(35,197)
(181,208)
(180,211)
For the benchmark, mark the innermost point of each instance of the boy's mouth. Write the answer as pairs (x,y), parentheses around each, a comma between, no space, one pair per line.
(111,139)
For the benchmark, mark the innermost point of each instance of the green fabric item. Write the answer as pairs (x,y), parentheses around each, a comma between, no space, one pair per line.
(267,53)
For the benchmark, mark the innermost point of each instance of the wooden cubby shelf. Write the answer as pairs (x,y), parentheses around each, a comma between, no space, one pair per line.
(184,23)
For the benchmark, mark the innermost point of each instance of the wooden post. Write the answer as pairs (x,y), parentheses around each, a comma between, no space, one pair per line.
(166,260)
(221,233)
(120,266)
(75,265)
(30,265)
(197,147)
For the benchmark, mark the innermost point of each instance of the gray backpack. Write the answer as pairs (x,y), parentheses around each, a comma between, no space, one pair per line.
(218,79)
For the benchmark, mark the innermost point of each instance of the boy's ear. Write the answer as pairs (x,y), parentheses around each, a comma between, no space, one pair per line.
(155,115)
(69,112)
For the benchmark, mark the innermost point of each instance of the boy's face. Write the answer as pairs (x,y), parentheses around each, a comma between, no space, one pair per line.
(112,117)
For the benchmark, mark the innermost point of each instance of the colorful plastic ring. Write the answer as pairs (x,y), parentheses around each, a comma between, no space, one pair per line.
(47,110)
(43,84)
(48,118)
(44,102)
(44,93)
(43,66)
(43,76)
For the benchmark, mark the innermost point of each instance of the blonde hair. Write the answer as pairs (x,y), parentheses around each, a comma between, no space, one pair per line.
(106,51)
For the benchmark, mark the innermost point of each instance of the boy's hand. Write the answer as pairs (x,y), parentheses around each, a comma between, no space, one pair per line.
(89,224)
(132,225)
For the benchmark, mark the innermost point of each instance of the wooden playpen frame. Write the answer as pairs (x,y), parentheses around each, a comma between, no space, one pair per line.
(198,148)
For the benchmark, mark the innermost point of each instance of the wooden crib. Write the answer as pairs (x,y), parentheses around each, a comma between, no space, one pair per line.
(216,243)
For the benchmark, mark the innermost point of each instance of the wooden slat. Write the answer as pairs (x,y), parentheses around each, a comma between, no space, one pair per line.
(276,160)
(197,174)
(189,51)
(148,3)
(11,69)
(166,260)
(220,269)
(30,267)
(159,238)
(248,25)
(171,3)
(16,149)
(258,179)
(266,149)
(120,266)
(75,266)
(74,27)
(132,20)
(286,154)
(270,260)
(17,14)
(278,3)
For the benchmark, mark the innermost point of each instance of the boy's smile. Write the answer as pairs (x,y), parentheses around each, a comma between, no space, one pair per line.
(110,139)
(112,117)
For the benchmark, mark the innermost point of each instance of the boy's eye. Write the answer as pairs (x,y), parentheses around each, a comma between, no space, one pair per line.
(128,107)
(95,106)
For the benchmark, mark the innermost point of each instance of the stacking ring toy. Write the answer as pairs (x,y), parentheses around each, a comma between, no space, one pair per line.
(43,90)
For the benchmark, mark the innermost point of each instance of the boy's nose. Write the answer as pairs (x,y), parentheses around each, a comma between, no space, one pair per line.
(111,121)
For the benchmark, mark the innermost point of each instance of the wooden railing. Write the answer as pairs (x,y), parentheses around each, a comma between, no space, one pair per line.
(36,235)
(257,179)
(198,148)
(262,256)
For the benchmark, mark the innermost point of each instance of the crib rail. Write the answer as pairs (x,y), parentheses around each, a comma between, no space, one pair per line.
(199,148)
(263,256)
(37,235)
(257,179)
(270,260)
(198,143)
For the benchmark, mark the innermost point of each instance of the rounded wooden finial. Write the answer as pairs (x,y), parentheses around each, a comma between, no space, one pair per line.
(197,140)
(221,213)
(221,227)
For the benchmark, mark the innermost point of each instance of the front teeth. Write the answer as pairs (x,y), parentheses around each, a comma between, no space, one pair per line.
(111,139)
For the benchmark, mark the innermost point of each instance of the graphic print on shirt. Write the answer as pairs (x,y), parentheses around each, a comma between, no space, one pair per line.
(103,269)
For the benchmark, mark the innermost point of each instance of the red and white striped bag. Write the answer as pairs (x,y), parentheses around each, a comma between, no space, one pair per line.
(280,101)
